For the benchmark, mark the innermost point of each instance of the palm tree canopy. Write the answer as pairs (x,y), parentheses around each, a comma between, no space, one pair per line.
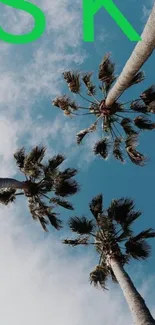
(118,121)
(41,179)
(139,56)
(110,232)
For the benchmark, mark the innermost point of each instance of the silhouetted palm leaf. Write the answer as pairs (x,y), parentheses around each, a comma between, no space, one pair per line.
(148,233)
(139,107)
(75,242)
(148,95)
(65,204)
(96,205)
(117,151)
(102,148)
(143,123)
(126,124)
(138,249)
(88,82)
(106,70)
(81,226)
(66,188)
(73,81)
(82,133)
(99,276)
(151,107)
(140,76)
(20,157)
(120,209)
(7,197)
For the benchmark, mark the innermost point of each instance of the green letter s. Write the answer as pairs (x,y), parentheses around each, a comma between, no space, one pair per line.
(40,23)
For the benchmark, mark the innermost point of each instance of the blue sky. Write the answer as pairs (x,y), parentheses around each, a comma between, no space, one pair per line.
(37,272)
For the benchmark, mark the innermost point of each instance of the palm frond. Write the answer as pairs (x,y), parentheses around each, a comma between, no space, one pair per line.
(55,162)
(20,157)
(139,77)
(66,188)
(75,242)
(120,209)
(63,203)
(148,233)
(7,197)
(106,70)
(54,221)
(139,107)
(136,157)
(143,123)
(117,151)
(73,81)
(88,82)
(102,147)
(99,276)
(138,249)
(126,124)
(82,133)
(151,107)
(125,234)
(82,225)
(148,95)
(96,205)
(68,173)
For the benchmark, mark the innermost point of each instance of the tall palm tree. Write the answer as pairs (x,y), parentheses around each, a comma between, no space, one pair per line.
(139,56)
(114,119)
(41,179)
(111,234)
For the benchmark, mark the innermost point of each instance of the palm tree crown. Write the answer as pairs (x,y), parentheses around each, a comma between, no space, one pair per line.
(41,179)
(111,234)
(114,118)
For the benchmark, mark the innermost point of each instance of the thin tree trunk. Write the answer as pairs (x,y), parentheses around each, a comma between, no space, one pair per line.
(11,183)
(139,56)
(140,313)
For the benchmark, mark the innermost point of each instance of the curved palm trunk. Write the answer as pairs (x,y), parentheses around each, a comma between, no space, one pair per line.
(140,312)
(11,183)
(139,56)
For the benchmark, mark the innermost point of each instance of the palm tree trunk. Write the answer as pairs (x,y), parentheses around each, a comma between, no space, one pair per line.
(140,313)
(139,56)
(11,183)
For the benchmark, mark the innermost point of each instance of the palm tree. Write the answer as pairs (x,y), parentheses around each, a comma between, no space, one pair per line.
(114,119)
(111,234)
(41,179)
(139,56)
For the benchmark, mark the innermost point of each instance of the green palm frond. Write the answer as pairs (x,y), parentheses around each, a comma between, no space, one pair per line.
(102,147)
(99,276)
(20,157)
(73,81)
(96,205)
(143,123)
(81,225)
(63,203)
(88,82)
(138,249)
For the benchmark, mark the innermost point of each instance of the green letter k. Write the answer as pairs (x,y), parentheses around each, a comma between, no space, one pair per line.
(90,8)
